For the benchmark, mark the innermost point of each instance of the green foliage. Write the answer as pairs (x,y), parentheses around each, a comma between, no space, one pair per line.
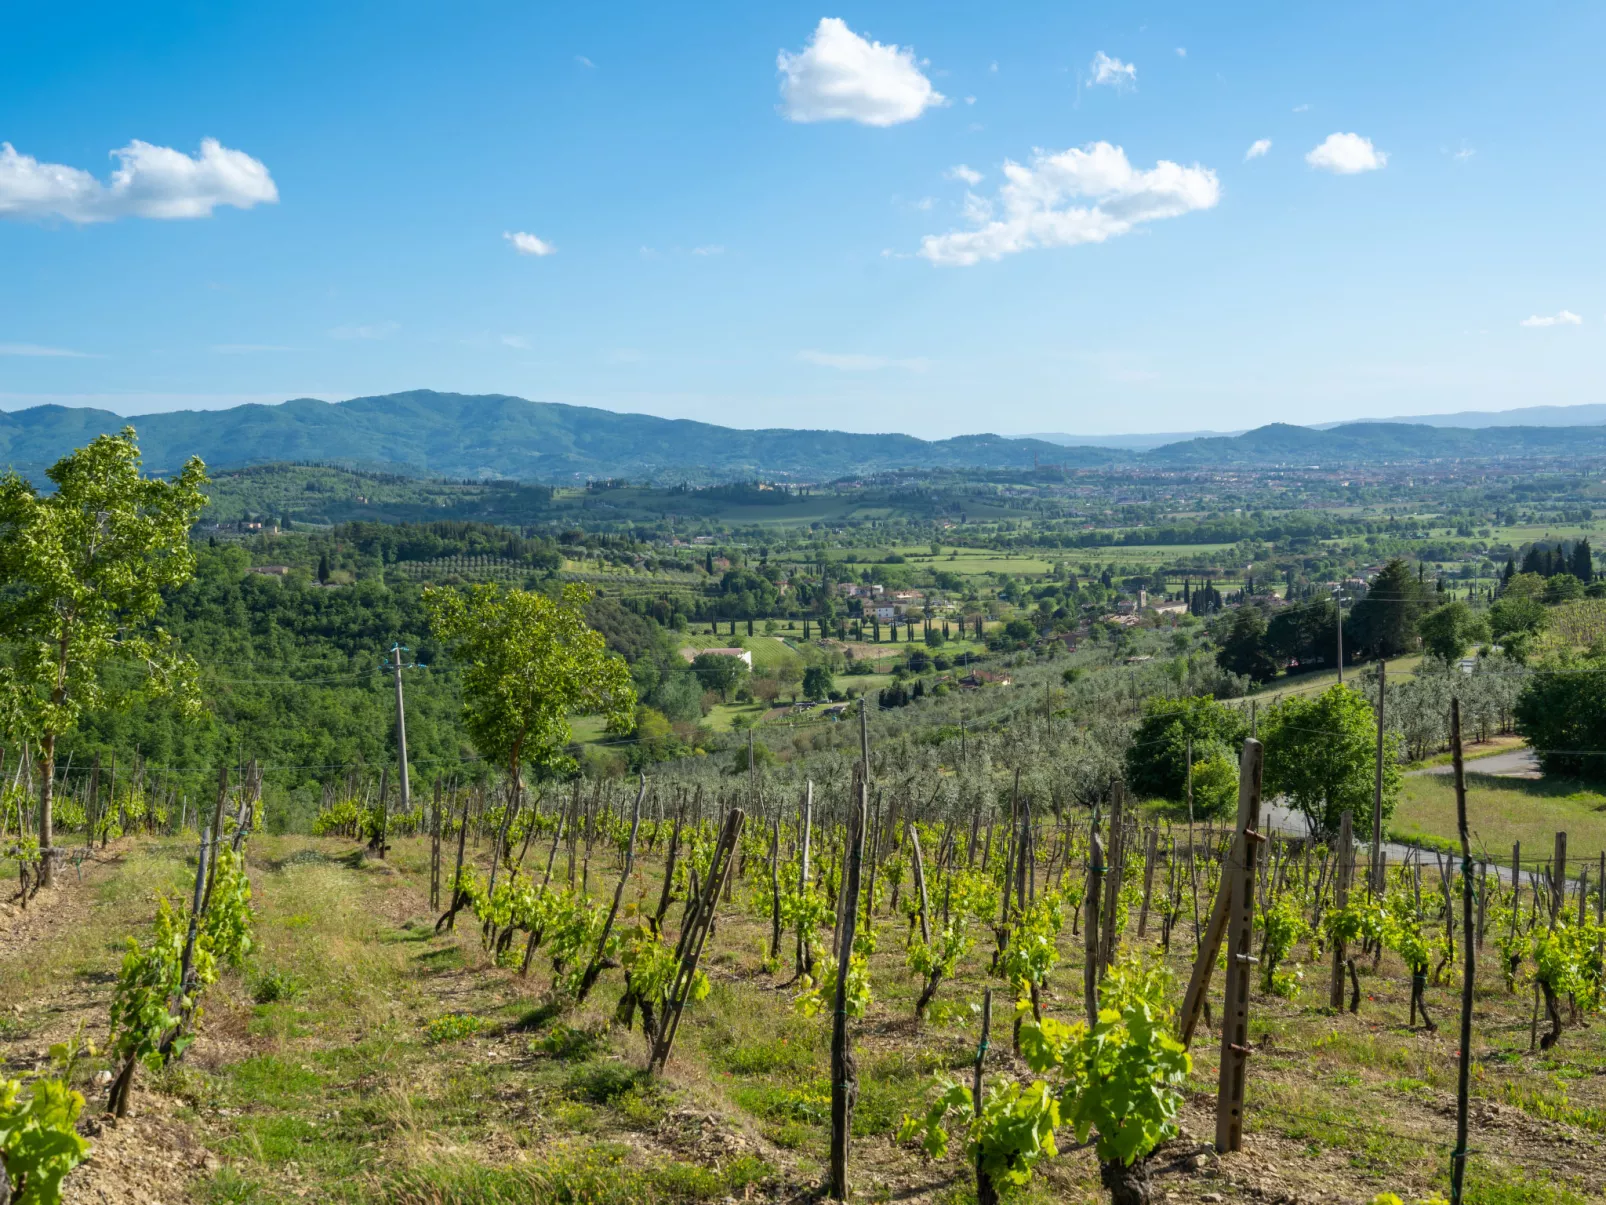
(817,683)
(149,1002)
(452,1027)
(1384,623)
(1448,632)
(942,955)
(1157,759)
(1562,708)
(1215,786)
(652,968)
(719,672)
(528,662)
(39,1141)
(227,925)
(820,997)
(1283,925)
(1321,753)
(1033,946)
(1243,645)
(1119,1080)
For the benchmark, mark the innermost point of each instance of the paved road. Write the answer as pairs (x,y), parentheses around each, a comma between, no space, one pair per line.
(1513,763)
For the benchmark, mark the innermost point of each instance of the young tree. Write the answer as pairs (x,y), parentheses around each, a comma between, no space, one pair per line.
(718,671)
(816,682)
(1321,752)
(1157,758)
(1559,712)
(528,663)
(1450,630)
(84,569)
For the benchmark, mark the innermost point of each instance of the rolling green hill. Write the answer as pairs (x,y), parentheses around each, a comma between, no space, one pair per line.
(495,436)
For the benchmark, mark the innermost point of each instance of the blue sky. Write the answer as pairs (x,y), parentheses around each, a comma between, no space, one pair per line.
(748,216)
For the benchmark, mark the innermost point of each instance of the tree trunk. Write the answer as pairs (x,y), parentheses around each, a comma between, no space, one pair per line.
(47,793)
(1127,1184)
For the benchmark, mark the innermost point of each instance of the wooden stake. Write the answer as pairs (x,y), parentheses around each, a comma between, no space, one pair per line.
(1463,1093)
(1238,878)
(1341,886)
(844,1075)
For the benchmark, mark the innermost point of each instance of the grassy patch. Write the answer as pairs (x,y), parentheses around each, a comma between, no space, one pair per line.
(1503,810)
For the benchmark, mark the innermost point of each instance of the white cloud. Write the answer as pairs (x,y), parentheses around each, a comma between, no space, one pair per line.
(710,249)
(528,244)
(1182,52)
(246,349)
(960,171)
(149,182)
(970,100)
(925,203)
(840,76)
(992,67)
(854,362)
(583,61)
(1347,154)
(1038,210)
(515,341)
(1113,72)
(34,349)
(372,330)
(1564,318)
(1301,108)
(1257,148)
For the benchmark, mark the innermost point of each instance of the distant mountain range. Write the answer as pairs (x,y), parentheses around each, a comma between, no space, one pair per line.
(423,433)
(495,436)
(1587,415)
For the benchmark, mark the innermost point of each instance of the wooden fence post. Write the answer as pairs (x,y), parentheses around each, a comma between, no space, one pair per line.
(1458,1158)
(1238,878)
(844,1075)
(1341,888)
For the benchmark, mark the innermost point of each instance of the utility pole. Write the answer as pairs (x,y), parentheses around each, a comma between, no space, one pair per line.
(1338,614)
(395,665)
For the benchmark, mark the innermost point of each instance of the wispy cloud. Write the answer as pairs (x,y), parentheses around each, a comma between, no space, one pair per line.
(1061,199)
(840,76)
(960,171)
(371,330)
(35,349)
(1182,52)
(710,249)
(519,342)
(528,244)
(1257,148)
(1563,318)
(149,182)
(246,349)
(855,362)
(1347,155)
(583,61)
(1301,108)
(1112,72)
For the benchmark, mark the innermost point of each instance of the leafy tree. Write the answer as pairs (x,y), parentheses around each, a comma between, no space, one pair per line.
(84,569)
(1384,623)
(1515,620)
(528,662)
(1563,587)
(1215,786)
(1563,707)
(1321,753)
(719,671)
(1305,633)
(1243,647)
(817,682)
(1157,759)
(1450,630)
(1523,585)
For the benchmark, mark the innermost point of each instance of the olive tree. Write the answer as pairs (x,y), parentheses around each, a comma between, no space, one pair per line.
(83,569)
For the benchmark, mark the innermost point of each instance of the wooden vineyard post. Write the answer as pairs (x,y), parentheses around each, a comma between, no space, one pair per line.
(1238,879)
(1112,880)
(1204,963)
(1148,879)
(435,850)
(986,1193)
(920,881)
(692,939)
(1341,889)
(775,889)
(1458,1158)
(1090,924)
(1374,877)
(844,1075)
(594,968)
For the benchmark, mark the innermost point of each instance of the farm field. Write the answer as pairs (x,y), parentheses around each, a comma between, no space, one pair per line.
(1503,810)
(332,1068)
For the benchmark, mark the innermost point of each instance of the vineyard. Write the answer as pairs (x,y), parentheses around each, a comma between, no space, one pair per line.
(635,999)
